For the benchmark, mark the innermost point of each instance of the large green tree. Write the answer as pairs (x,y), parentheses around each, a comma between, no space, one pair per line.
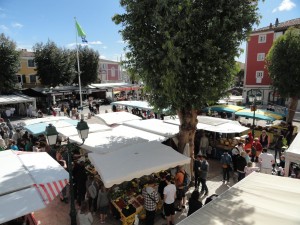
(89,65)
(184,51)
(54,65)
(9,64)
(283,63)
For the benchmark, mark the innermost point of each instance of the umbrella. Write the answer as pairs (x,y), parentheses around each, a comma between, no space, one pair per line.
(260,114)
(224,108)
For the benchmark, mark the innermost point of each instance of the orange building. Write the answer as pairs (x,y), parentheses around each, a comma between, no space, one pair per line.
(27,75)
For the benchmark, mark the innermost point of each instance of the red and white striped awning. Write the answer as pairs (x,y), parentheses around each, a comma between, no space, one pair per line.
(49,191)
(28,181)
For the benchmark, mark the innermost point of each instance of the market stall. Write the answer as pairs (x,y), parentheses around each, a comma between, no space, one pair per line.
(117,117)
(227,130)
(131,162)
(109,141)
(292,155)
(18,101)
(68,131)
(39,128)
(28,181)
(257,200)
(154,126)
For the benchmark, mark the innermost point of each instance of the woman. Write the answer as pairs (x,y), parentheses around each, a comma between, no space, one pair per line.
(103,203)
(194,203)
(84,215)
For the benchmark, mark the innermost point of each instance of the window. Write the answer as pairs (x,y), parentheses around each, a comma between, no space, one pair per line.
(113,72)
(31,63)
(260,56)
(262,38)
(277,35)
(103,66)
(32,78)
(259,76)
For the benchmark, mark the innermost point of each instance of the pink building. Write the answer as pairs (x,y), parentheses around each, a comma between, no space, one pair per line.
(257,80)
(109,71)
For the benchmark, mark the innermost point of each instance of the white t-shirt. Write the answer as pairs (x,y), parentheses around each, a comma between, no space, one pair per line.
(170,191)
(266,160)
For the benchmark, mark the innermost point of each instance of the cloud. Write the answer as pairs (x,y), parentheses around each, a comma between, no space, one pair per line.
(102,57)
(3,27)
(95,42)
(104,47)
(17,25)
(285,5)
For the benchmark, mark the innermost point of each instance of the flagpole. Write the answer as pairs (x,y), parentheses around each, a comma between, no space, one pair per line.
(78,65)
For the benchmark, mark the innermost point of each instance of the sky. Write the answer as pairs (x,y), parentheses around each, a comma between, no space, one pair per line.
(28,22)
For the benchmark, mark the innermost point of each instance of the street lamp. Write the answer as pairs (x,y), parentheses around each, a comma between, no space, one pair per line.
(51,135)
(254,99)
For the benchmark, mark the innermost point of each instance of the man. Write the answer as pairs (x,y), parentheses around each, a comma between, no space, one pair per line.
(197,165)
(150,196)
(264,139)
(179,181)
(236,151)
(267,162)
(226,162)
(169,199)
(203,174)
(241,163)
(204,144)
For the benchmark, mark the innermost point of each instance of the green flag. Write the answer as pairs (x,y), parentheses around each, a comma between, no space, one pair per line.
(79,30)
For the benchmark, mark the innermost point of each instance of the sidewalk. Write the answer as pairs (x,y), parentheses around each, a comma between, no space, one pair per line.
(57,212)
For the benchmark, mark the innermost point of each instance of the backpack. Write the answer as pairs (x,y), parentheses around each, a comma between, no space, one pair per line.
(92,190)
(186,179)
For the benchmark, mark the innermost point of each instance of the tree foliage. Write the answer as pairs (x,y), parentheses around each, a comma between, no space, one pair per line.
(54,65)
(184,50)
(9,64)
(89,65)
(283,63)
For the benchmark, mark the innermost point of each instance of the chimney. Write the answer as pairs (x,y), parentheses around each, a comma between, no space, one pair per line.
(24,50)
(270,26)
(276,22)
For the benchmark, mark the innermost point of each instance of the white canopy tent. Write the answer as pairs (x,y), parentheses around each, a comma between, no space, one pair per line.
(72,131)
(15,99)
(108,141)
(135,161)
(214,124)
(258,199)
(134,104)
(292,154)
(117,117)
(44,120)
(28,181)
(154,126)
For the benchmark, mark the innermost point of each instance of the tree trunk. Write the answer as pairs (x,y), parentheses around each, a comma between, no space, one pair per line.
(292,109)
(187,129)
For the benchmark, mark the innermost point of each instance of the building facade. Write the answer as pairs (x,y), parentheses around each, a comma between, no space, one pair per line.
(110,71)
(257,80)
(27,73)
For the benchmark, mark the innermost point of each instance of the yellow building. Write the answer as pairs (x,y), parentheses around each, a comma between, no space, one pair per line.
(27,75)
